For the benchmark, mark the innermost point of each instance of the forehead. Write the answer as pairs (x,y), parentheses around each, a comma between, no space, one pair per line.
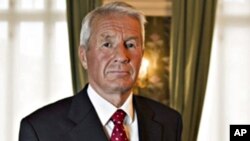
(113,23)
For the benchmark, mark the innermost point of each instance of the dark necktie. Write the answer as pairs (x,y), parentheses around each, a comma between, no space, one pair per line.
(118,133)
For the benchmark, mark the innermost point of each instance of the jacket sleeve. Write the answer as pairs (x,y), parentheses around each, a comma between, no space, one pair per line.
(27,132)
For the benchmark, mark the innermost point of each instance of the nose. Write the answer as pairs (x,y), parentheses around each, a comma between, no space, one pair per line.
(122,55)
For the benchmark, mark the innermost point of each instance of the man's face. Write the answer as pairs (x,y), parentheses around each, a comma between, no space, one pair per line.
(114,54)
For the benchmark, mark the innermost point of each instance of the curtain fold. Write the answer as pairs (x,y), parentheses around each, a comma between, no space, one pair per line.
(191,39)
(76,10)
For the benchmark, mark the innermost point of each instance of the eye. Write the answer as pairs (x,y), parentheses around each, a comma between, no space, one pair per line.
(130,45)
(107,45)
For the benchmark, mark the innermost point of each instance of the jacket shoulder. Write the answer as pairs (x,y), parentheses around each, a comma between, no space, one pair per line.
(50,117)
(58,108)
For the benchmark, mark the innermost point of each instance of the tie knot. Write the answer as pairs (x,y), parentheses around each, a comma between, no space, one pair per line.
(118,117)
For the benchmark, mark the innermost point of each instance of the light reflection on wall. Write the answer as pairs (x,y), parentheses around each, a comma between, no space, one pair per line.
(143,74)
(153,80)
(144,68)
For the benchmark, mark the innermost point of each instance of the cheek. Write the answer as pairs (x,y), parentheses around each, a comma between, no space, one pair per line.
(99,62)
(136,62)
(137,57)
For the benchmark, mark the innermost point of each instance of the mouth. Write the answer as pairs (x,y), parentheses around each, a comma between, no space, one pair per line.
(119,73)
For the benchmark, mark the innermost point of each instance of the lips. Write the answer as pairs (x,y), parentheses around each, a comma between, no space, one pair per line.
(119,73)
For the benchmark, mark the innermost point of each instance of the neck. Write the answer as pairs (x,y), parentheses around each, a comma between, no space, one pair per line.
(116,98)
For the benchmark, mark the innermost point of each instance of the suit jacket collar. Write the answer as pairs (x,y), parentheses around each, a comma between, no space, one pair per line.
(87,125)
(149,128)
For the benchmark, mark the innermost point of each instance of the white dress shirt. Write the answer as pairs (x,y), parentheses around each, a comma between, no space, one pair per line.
(105,110)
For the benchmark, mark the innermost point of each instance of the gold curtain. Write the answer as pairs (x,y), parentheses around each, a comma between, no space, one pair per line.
(76,10)
(191,38)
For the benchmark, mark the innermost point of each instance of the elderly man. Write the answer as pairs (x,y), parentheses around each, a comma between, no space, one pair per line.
(111,50)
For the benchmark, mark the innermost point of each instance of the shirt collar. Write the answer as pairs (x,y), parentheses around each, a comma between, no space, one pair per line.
(105,109)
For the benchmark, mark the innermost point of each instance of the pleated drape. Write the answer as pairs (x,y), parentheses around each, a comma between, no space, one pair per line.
(191,39)
(76,10)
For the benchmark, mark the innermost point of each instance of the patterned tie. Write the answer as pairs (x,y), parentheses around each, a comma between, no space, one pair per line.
(118,133)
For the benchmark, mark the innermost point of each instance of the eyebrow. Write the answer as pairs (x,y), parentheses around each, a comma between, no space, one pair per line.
(106,36)
(132,38)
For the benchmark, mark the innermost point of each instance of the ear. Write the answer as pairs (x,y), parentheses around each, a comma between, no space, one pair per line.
(82,56)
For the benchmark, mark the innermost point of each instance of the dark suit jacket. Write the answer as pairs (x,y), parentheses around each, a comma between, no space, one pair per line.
(75,119)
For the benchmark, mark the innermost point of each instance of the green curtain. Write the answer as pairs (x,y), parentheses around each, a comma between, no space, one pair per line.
(76,10)
(191,38)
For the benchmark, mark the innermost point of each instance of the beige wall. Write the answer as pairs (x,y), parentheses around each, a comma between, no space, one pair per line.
(151,7)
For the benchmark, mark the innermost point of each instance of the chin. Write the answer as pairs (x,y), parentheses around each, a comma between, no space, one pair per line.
(121,87)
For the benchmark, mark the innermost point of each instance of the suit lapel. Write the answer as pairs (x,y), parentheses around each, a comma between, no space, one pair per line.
(149,128)
(87,124)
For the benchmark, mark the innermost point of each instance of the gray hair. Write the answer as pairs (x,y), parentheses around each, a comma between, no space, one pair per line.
(113,7)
